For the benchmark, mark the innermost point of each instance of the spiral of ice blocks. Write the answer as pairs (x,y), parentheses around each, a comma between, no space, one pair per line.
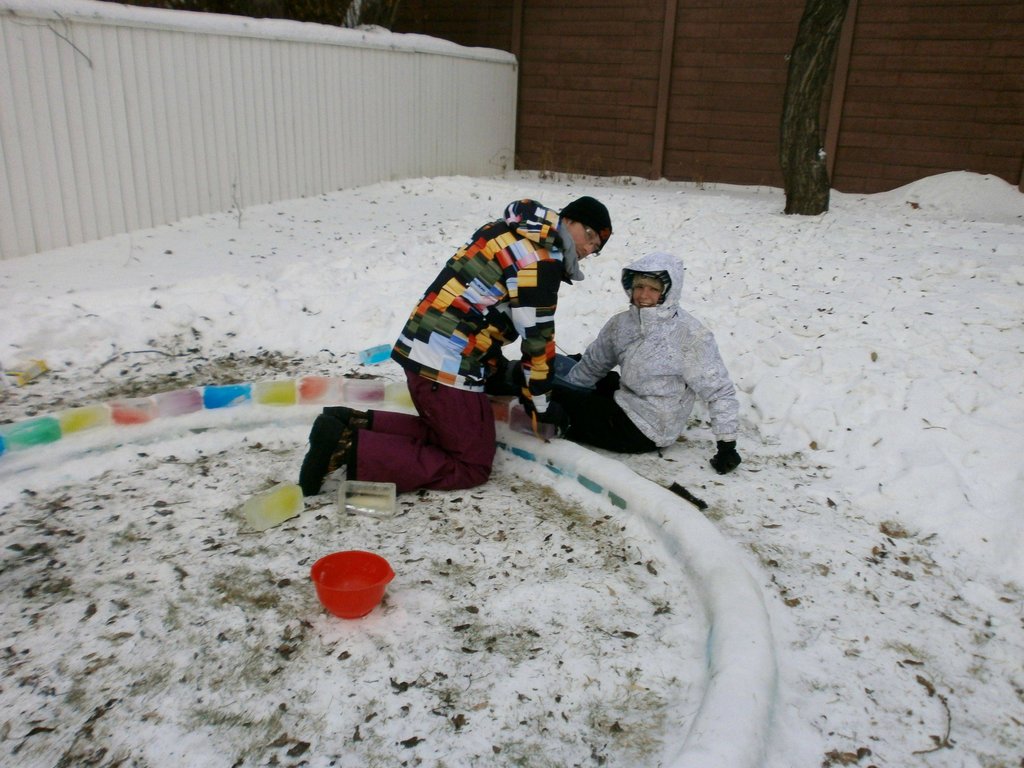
(307,390)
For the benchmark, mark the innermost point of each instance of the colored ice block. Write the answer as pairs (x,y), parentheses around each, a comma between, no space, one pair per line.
(318,389)
(359,497)
(179,402)
(521,421)
(85,417)
(280,503)
(135,410)
(397,392)
(24,372)
(24,434)
(500,407)
(374,355)
(362,390)
(280,392)
(226,395)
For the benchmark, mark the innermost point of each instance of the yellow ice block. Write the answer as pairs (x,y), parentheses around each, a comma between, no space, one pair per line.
(397,392)
(280,503)
(281,392)
(85,417)
(28,370)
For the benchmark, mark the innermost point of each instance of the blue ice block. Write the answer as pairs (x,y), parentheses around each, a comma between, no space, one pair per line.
(375,355)
(225,395)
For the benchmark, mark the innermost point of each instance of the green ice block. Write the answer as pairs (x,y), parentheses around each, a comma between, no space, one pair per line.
(25,434)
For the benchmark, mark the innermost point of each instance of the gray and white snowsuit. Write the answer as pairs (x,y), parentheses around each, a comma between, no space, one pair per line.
(666,357)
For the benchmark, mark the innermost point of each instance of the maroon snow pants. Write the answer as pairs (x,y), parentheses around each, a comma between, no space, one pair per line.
(448,446)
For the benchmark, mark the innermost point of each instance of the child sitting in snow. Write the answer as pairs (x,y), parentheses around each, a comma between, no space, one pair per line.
(667,359)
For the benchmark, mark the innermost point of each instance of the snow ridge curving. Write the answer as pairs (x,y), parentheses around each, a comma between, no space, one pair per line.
(730,729)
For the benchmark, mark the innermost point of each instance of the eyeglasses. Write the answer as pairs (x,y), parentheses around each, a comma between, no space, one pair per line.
(593,240)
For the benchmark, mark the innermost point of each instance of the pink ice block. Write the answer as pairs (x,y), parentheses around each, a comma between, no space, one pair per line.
(179,402)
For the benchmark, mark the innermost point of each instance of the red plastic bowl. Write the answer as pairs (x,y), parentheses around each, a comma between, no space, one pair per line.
(350,584)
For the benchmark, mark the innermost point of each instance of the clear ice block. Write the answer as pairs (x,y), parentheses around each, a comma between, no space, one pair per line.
(360,497)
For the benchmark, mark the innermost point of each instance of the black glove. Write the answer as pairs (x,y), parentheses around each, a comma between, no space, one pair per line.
(607,385)
(577,357)
(517,375)
(726,460)
(555,415)
(500,382)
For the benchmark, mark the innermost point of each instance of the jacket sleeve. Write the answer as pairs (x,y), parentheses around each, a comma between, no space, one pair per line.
(533,302)
(706,375)
(598,359)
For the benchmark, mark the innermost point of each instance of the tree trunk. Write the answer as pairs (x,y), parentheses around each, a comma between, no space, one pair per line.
(804,171)
(379,12)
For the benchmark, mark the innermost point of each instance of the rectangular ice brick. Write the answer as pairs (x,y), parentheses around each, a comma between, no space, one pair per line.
(374,355)
(280,392)
(85,417)
(521,421)
(319,389)
(363,390)
(226,395)
(280,503)
(397,392)
(178,402)
(134,410)
(500,407)
(25,434)
(24,372)
(360,497)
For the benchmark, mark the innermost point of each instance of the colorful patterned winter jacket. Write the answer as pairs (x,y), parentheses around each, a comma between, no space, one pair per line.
(667,358)
(501,285)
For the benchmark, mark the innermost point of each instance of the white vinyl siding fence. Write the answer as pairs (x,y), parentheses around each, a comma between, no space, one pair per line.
(116,118)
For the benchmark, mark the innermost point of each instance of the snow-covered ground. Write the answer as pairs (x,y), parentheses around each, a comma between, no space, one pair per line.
(878,354)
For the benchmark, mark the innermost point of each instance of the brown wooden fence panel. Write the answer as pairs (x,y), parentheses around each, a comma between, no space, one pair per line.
(727,86)
(932,86)
(588,85)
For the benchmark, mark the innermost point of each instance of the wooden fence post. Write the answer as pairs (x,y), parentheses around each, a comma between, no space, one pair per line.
(838,98)
(668,39)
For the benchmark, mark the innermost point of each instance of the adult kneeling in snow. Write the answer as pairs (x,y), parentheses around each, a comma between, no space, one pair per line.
(501,285)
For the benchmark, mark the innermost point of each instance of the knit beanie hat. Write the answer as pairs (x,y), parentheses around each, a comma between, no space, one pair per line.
(590,213)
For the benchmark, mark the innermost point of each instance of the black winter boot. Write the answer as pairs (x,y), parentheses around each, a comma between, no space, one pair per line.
(323,441)
(344,454)
(350,417)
